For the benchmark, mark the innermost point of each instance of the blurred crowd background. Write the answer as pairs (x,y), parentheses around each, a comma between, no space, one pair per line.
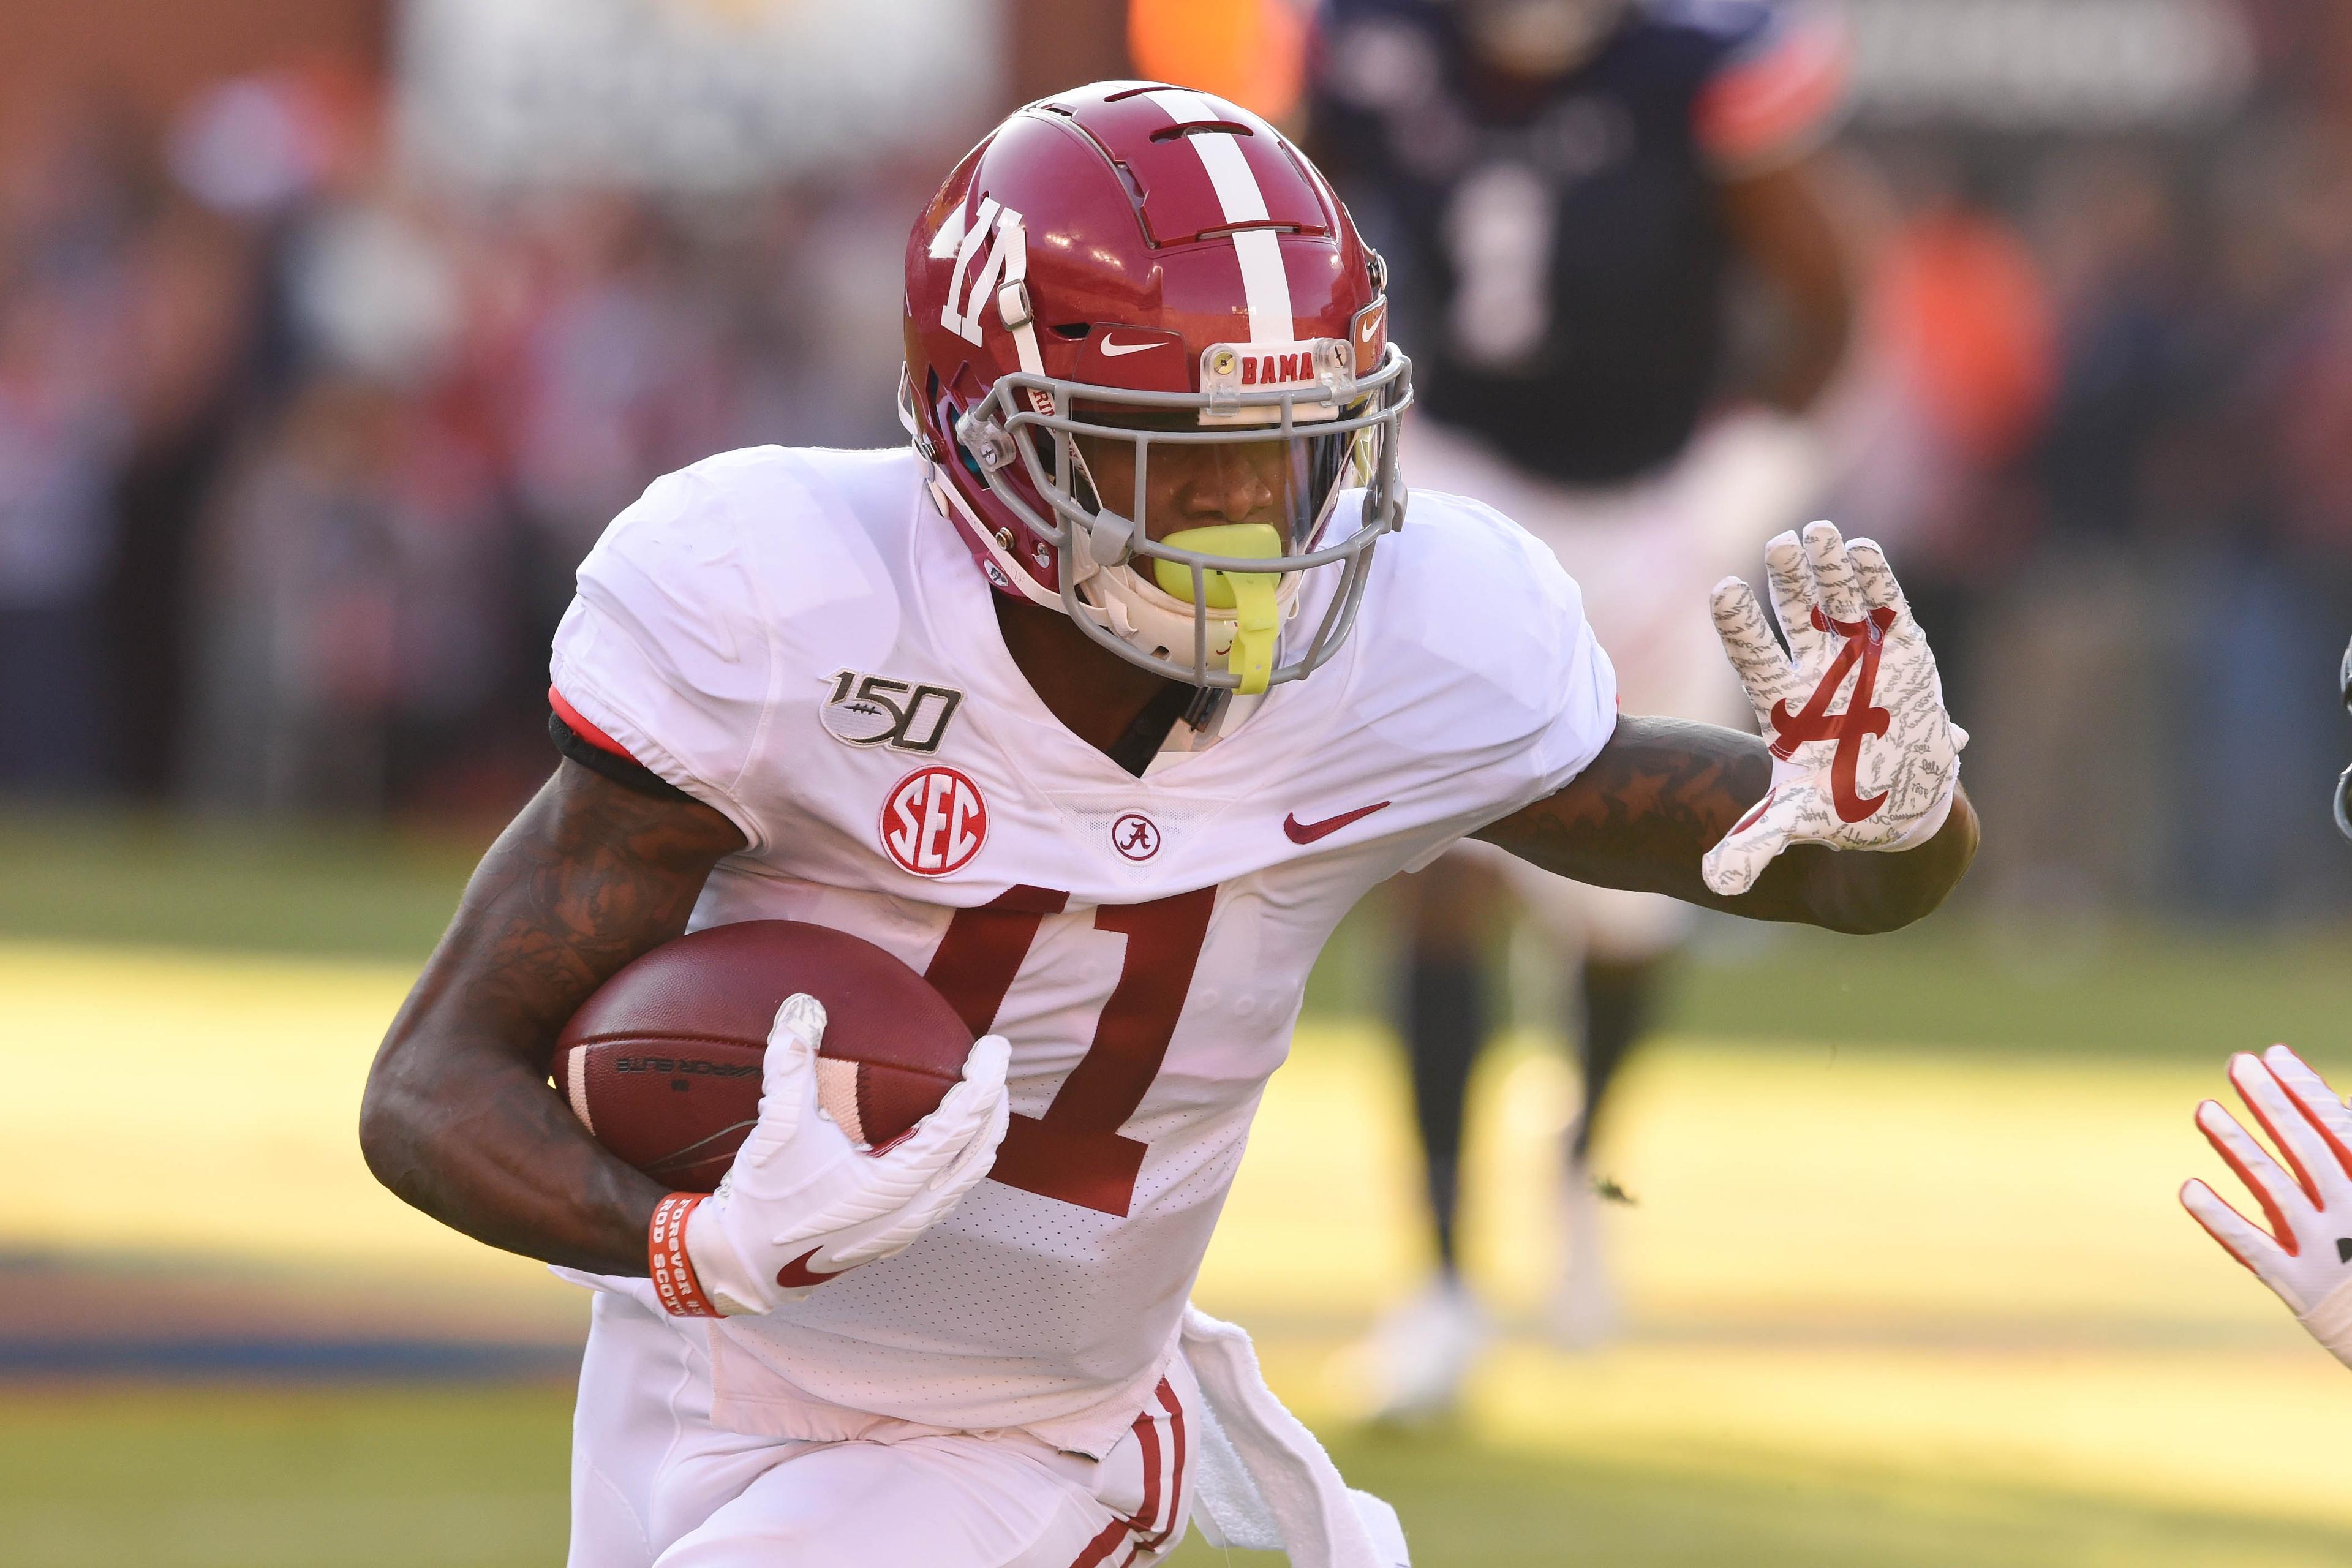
(332,332)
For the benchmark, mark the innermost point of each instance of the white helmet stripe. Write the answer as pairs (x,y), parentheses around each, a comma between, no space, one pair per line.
(1187,108)
(1230,174)
(1265,287)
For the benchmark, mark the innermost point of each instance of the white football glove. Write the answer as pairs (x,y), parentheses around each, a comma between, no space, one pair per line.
(802,1202)
(2306,1254)
(1879,773)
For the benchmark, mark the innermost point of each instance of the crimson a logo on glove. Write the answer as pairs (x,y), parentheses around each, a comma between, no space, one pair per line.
(1865,641)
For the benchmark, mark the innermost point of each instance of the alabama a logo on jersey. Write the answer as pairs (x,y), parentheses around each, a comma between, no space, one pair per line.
(875,711)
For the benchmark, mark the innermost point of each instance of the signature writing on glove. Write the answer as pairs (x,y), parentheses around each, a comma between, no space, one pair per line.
(1865,641)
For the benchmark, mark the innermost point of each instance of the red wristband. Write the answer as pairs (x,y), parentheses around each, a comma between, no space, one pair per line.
(673,1272)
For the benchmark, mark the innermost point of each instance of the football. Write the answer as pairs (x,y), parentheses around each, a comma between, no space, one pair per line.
(860,721)
(663,1063)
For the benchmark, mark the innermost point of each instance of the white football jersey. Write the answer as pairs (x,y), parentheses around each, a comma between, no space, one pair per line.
(797,639)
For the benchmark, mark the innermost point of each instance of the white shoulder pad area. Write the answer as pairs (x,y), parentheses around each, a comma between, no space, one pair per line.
(1477,686)
(1481,638)
(703,595)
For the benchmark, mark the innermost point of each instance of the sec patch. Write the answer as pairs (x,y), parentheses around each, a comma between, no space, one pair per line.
(933,822)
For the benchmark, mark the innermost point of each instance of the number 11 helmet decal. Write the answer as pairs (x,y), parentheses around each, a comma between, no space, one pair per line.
(1130,272)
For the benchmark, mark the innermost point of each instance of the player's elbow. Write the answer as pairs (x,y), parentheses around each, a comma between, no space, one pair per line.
(1877,915)
(384,1130)
(1877,920)
(395,1123)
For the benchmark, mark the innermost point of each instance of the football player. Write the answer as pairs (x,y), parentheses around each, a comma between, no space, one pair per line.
(2306,1255)
(1099,704)
(1566,186)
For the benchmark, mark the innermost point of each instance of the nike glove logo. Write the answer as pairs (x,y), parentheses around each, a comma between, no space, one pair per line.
(1299,832)
(798,1276)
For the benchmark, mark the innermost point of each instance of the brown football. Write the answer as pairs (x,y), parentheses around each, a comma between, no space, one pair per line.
(663,1062)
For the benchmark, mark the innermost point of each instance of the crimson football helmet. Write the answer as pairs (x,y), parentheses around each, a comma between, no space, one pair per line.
(1126,269)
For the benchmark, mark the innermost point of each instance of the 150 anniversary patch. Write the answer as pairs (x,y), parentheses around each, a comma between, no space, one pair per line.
(875,711)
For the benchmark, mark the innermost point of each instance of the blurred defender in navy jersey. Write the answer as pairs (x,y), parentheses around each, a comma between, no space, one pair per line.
(1567,191)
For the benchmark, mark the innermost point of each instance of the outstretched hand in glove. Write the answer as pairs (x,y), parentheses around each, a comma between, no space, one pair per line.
(2306,1256)
(1864,754)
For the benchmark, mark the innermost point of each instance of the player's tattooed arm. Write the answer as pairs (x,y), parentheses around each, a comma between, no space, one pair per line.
(458,1117)
(1663,791)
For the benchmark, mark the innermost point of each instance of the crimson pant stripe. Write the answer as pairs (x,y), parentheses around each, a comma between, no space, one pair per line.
(1099,1549)
(1175,1408)
(1176,1427)
(1147,1432)
(1145,1530)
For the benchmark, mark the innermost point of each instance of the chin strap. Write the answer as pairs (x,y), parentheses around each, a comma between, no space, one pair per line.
(1012,304)
(951,506)
(1253,597)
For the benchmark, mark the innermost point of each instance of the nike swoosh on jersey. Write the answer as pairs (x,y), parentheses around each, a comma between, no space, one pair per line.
(1299,832)
(797,1275)
(1112,350)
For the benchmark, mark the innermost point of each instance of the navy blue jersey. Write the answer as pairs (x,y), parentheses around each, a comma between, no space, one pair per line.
(1556,249)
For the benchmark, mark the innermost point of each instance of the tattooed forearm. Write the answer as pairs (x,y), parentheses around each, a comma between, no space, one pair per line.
(1663,791)
(458,1117)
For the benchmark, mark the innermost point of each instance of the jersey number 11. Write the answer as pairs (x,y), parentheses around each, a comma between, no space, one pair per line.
(1075,1151)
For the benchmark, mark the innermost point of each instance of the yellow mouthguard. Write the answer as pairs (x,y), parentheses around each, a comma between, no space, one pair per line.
(1252,593)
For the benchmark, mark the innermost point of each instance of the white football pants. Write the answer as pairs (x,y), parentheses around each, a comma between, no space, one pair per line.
(654,1482)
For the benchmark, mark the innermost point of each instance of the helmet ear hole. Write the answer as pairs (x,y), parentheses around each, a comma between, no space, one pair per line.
(970,463)
(946,416)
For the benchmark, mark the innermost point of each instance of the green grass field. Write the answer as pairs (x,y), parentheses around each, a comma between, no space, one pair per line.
(366,1476)
(1906,1280)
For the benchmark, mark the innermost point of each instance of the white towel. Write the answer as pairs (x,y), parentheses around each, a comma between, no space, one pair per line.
(1264,1484)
